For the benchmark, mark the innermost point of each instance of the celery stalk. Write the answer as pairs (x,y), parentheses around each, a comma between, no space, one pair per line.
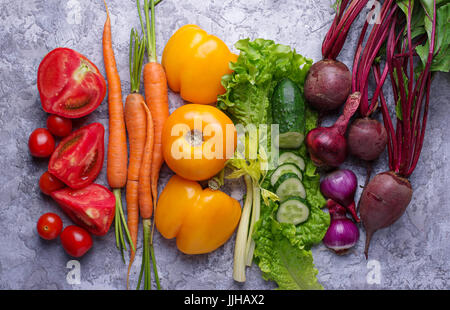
(242,234)
(250,247)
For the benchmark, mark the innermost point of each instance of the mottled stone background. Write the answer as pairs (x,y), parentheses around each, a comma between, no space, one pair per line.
(412,254)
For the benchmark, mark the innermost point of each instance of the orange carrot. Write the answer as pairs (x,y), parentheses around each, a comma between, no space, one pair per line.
(132,212)
(156,96)
(145,196)
(155,84)
(145,199)
(136,121)
(117,143)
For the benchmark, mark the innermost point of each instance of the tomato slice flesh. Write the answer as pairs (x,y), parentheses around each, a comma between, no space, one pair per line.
(69,84)
(78,159)
(91,207)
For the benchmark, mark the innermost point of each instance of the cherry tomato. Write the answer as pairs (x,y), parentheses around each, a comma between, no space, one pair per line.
(49,226)
(48,183)
(59,126)
(41,143)
(76,240)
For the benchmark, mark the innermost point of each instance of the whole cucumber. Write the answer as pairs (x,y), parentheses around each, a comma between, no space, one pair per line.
(288,111)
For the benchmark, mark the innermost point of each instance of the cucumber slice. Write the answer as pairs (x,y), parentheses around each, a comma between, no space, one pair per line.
(292,158)
(283,169)
(290,140)
(289,185)
(293,211)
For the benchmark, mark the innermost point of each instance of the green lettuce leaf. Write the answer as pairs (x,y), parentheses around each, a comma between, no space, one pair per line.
(260,66)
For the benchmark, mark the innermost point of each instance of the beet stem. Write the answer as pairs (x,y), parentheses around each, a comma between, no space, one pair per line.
(410,133)
(337,34)
(365,58)
(392,142)
(422,135)
(327,40)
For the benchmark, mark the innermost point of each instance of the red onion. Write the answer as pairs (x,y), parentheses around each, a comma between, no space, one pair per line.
(340,186)
(327,146)
(342,233)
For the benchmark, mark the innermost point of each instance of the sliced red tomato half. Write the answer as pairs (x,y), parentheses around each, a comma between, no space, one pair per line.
(91,207)
(69,84)
(78,159)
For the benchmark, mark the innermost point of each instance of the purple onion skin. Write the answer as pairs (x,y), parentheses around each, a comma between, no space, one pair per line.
(327,85)
(342,234)
(340,186)
(326,147)
(367,139)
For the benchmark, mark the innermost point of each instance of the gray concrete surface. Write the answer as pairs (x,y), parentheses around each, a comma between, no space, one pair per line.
(412,254)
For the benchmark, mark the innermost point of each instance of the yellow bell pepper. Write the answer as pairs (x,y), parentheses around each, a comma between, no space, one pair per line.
(195,62)
(201,220)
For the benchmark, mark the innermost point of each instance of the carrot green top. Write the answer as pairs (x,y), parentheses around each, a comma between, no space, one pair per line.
(149,28)
(137,50)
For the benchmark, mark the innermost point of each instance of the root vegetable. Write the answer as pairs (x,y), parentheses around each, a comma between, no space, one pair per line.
(327,146)
(327,85)
(342,234)
(387,195)
(383,202)
(340,186)
(367,138)
(329,82)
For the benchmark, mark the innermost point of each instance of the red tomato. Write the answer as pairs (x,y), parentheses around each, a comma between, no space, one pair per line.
(41,143)
(49,183)
(49,226)
(78,159)
(76,241)
(91,207)
(69,84)
(59,126)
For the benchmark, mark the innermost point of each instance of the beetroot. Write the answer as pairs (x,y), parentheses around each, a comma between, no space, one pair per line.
(327,85)
(383,202)
(91,207)
(327,146)
(329,82)
(367,138)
